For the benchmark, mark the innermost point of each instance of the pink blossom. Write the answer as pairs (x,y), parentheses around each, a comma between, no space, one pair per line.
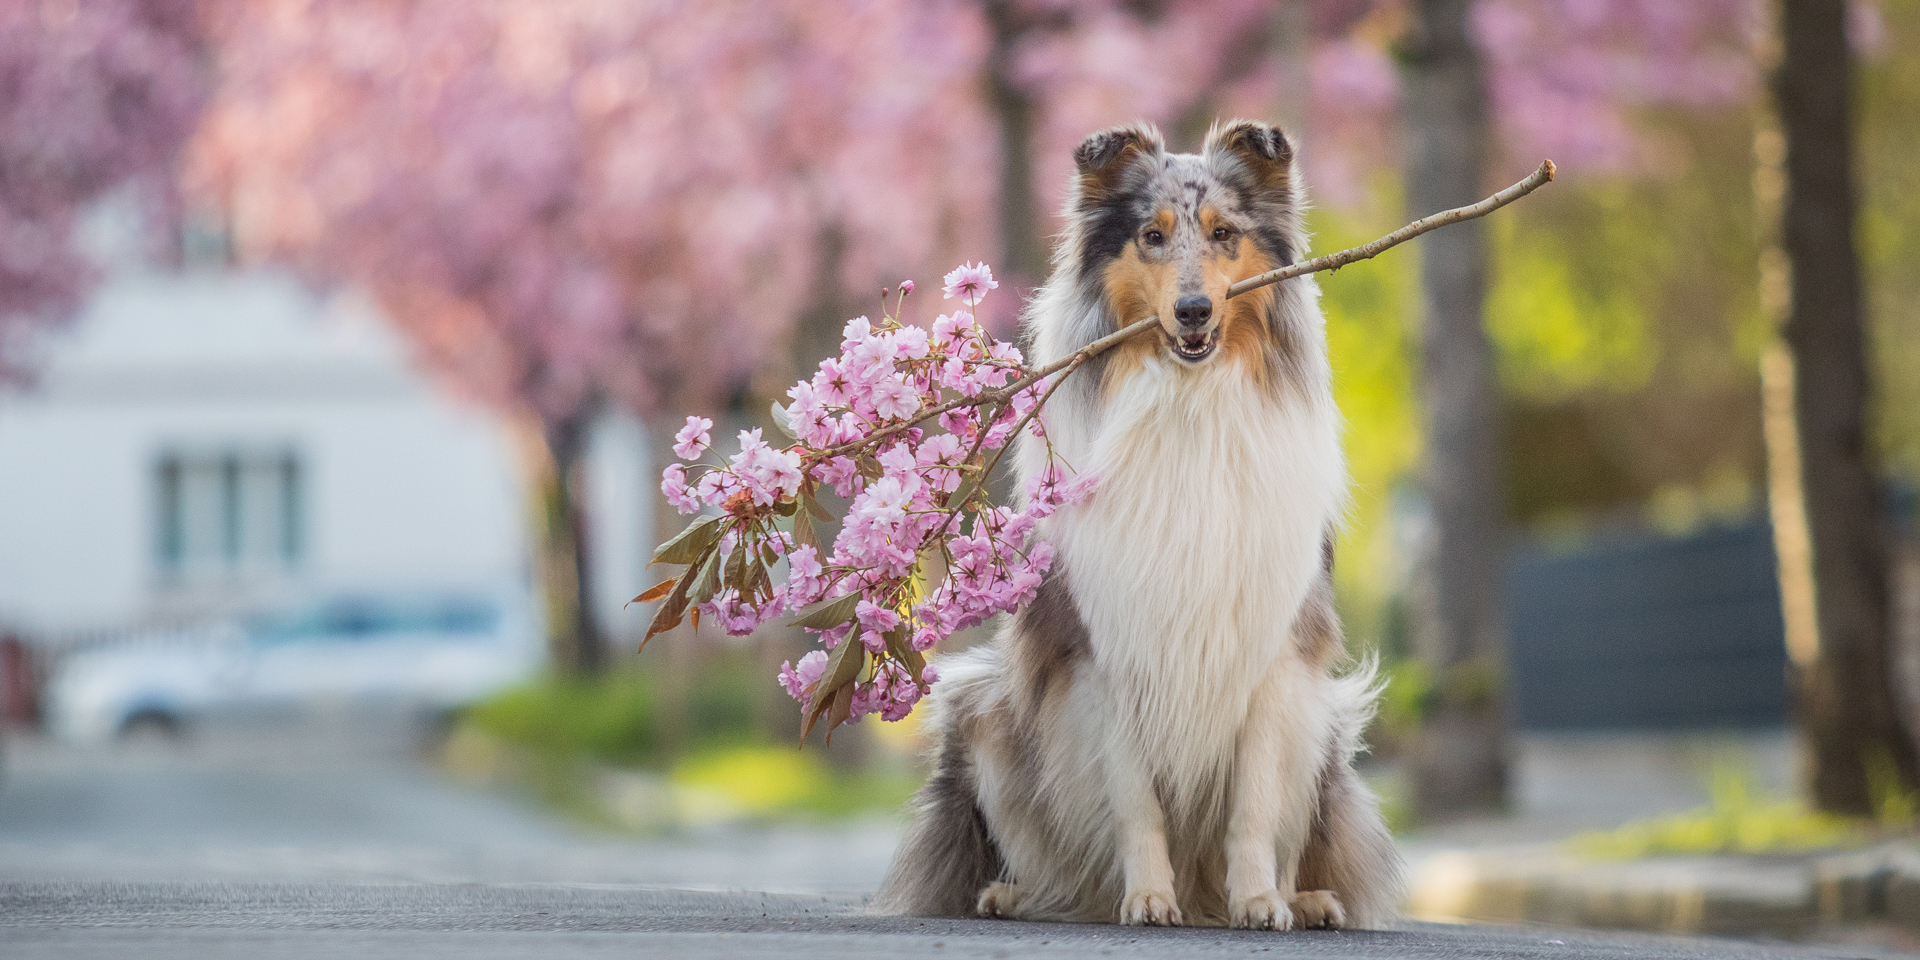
(799,679)
(898,459)
(833,383)
(906,286)
(875,618)
(970,282)
(673,483)
(941,456)
(693,439)
(952,330)
(911,342)
(856,330)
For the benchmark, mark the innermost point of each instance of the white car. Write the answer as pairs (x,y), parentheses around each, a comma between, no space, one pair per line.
(428,652)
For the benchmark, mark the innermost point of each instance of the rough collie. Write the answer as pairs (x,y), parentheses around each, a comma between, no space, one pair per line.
(1162,737)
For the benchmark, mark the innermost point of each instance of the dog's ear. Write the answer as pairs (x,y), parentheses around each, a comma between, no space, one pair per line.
(1262,151)
(1104,157)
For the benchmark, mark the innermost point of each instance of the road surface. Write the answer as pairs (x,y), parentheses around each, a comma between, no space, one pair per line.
(339,844)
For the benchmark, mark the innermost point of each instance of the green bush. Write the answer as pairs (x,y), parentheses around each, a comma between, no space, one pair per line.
(614,718)
(1737,820)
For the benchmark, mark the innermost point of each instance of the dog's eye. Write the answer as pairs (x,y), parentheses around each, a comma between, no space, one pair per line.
(1155,238)
(1222,233)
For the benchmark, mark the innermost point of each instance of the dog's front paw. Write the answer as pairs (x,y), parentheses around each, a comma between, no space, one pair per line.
(1319,909)
(998,900)
(1149,908)
(1262,911)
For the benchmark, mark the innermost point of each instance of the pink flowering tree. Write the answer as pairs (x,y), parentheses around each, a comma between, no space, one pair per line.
(574,204)
(93,96)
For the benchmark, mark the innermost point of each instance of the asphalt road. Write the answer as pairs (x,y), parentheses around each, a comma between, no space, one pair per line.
(69,919)
(339,844)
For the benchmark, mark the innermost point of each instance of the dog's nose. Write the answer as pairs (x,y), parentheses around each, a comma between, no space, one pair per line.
(1193,311)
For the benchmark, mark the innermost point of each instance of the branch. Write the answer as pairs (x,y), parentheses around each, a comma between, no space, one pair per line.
(1334,261)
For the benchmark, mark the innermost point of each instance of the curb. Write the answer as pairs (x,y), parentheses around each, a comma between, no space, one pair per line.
(1786,897)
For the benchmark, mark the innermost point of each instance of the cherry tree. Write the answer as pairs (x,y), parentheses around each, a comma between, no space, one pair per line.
(92,96)
(577,204)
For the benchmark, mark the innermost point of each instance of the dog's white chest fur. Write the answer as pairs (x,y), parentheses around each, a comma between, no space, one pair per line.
(1193,558)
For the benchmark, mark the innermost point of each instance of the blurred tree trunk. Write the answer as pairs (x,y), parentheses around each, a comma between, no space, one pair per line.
(1460,765)
(566,572)
(1023,252)
(1848,708)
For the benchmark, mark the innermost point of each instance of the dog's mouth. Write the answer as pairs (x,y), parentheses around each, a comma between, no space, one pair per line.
(1193,347)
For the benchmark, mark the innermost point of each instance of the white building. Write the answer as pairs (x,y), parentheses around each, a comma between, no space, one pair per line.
(209,439)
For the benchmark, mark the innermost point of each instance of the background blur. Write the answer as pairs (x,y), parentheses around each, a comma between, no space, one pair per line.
(340,338)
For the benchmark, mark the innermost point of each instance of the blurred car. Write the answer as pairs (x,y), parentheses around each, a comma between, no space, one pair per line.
(428,653)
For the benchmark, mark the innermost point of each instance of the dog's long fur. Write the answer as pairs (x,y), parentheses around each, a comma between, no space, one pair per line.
(1161,737)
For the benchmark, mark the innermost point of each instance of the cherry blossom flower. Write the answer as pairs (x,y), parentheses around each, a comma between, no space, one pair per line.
(693,439)
(970,282)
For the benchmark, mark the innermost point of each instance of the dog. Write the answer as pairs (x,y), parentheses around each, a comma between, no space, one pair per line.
(1165,735)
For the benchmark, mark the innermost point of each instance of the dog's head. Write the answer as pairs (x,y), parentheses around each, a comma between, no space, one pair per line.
(1165,234)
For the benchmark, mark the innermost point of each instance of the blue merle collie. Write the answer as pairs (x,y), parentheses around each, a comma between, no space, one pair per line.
(1161,737)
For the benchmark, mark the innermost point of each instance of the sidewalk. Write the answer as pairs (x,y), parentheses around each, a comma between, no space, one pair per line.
(1521,868)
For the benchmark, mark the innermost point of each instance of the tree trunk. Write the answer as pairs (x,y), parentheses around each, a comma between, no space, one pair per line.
(573,635)
(1460,766)
(1023,252)
(1848,708)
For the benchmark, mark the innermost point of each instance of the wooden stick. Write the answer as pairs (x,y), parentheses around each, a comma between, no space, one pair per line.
(1332,261)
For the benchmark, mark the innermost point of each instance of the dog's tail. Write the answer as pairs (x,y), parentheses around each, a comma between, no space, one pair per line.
(946,857)
(1350,850)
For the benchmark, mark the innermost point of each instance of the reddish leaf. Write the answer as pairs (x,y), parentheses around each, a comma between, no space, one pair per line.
(656,591)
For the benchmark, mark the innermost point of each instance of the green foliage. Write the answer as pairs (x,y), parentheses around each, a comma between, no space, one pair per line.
(1738,820)
(615,718)
(1403,703)
(612,718)
(1557,331)
(728,769)
(765,782)
(1889,229)
(1370,342)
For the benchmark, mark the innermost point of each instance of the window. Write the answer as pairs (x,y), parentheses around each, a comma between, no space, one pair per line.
(231,512)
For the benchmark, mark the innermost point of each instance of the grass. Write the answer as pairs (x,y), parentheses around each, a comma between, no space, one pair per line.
(781,782)
(728,767)
(1739,819)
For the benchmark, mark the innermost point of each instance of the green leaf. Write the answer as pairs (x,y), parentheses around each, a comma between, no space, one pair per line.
(900,645)
(708,583)
(736,575)
(690,543)
(812,503)
(759,581)
(843,668)
(803,532)
(870,467)
(785,508)
(782,420)
(839,710)
(828,615)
